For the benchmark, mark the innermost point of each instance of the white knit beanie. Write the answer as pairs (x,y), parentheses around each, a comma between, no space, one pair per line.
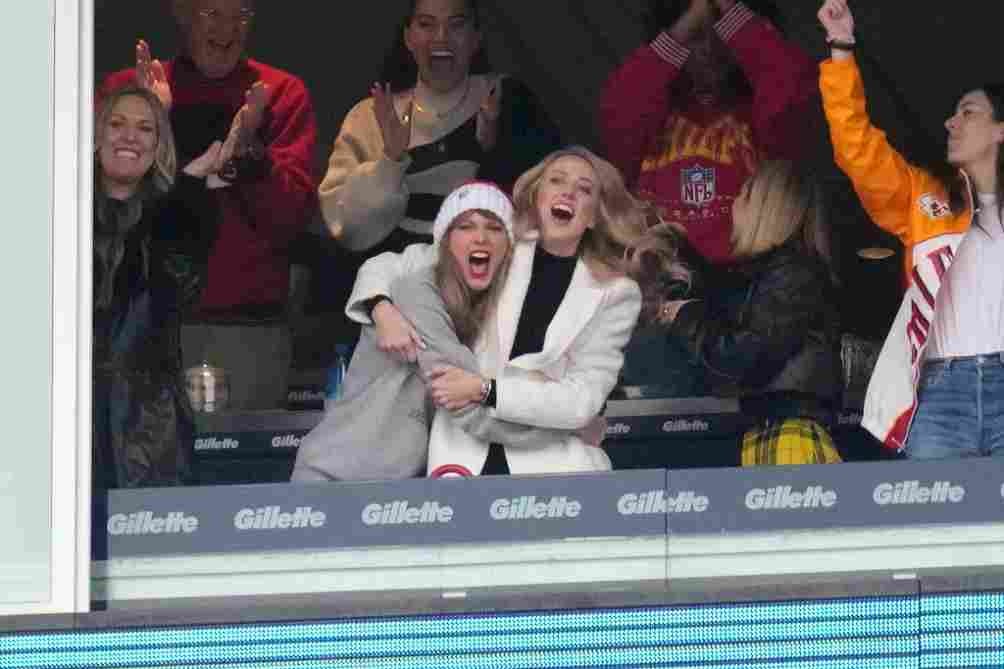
(473,195)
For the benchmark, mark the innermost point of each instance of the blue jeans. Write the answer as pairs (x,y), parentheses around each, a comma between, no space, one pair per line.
(960,409)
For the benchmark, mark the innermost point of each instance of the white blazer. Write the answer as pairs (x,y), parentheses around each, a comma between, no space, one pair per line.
(563,386)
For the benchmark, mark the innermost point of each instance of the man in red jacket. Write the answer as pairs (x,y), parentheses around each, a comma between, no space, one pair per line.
(688,116)
(265,195)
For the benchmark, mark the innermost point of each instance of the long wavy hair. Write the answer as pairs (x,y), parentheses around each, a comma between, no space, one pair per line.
(662,264)
(399,68)
(469,310)
(627,238)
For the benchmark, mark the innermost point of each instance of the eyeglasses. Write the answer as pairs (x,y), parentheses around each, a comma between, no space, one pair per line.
(242,18)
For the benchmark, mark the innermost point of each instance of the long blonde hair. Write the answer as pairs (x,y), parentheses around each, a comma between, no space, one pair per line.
(785,203)
(468,310)
(621,218)
(627,238)
(655,262)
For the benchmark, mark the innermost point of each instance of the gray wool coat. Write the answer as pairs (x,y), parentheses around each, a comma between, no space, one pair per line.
(379,429)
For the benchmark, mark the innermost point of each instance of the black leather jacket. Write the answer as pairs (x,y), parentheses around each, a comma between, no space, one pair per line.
(768,332)
(147,272)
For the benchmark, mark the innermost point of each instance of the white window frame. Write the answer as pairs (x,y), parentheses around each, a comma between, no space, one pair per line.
(72,62)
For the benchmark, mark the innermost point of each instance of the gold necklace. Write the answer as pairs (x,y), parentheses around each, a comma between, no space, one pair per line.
(449,112)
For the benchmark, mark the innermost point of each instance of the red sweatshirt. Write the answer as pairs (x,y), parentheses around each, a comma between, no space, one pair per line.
(691,156)
(260,214)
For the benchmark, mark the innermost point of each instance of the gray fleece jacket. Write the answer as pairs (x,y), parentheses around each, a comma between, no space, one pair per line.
(379,429)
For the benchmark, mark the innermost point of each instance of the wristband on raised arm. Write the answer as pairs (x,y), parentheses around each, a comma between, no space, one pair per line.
(841,44)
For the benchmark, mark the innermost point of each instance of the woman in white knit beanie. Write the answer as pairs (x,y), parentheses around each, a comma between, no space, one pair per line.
(379,427)
(552,353)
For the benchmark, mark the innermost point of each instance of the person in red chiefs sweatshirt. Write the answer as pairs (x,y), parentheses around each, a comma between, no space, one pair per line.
(688,116)
(265,195)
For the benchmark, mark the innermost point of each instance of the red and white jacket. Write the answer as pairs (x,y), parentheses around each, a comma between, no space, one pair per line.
(911,204)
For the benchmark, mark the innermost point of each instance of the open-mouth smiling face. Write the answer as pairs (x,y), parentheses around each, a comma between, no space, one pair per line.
(217,34)
(128,141)
(567,198)
(478,244)
(443,39)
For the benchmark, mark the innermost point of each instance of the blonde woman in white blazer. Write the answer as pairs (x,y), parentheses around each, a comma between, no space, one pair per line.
(575,221)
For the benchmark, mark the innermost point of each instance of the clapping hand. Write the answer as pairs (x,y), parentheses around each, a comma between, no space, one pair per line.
(242,134)
(488,117)
(395,131)
(218,153)
(255,100)
(151,76)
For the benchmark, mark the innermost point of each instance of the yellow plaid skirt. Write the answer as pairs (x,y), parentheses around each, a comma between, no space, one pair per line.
(795,441)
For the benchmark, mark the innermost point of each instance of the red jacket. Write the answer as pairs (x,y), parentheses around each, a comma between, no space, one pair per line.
(691,157)
(259,216)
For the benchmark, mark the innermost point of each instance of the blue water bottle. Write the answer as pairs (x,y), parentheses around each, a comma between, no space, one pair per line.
(336,375)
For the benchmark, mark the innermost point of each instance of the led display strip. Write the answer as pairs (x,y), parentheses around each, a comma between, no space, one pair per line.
(959,630)
(963,630)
